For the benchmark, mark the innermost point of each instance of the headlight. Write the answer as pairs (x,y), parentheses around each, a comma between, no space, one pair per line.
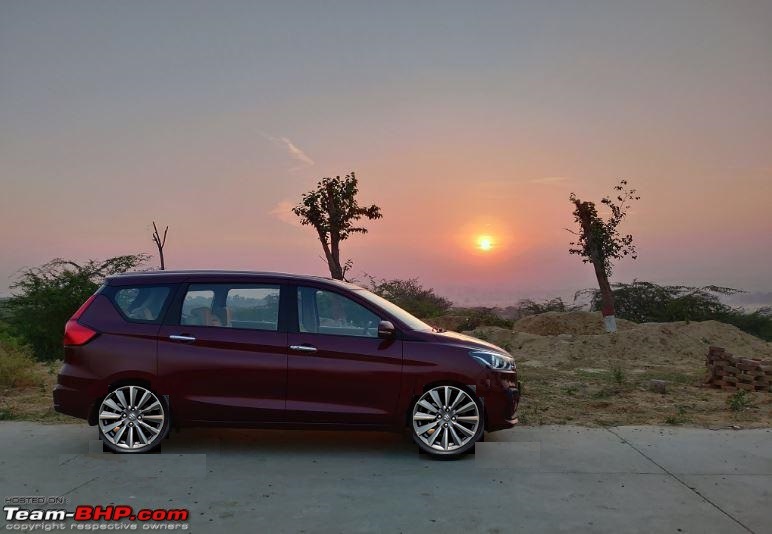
(494,360)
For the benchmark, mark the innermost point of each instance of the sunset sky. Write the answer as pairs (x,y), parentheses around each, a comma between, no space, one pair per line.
(461,120)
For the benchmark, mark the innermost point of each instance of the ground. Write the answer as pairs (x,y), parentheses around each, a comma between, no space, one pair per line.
(530,479)
(573,372)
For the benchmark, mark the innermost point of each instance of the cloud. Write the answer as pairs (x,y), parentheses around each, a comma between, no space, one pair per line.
(292,150)
(547,180)
(283,212)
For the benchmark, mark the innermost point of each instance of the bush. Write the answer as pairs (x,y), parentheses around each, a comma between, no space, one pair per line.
(411,296)
(530,307)
(17,366)
(643,302)
(476,317)
(45,297)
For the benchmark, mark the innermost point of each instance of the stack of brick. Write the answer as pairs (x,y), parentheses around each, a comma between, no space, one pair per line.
(729,372)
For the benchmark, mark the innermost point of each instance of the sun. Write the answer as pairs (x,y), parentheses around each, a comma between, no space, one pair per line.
(485,243)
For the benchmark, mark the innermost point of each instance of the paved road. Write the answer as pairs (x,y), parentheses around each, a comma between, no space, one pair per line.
(537,479)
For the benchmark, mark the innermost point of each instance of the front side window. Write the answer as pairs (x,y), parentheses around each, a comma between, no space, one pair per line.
(249,306)
(141,303)
(327,312)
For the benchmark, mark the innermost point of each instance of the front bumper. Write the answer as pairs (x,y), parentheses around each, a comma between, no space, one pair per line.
(502,398)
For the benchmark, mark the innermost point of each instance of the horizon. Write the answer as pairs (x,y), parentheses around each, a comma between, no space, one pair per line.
(468,125)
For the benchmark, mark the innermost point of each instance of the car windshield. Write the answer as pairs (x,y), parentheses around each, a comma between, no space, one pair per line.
(412,322)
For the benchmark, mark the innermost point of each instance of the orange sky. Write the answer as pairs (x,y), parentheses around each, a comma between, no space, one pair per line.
(459,122)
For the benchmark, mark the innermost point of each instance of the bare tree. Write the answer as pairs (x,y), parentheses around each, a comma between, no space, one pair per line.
(160,242)
(600,243)
(332,209)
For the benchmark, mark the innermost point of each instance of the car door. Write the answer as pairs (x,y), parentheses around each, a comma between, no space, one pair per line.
(225,358)
(338,370)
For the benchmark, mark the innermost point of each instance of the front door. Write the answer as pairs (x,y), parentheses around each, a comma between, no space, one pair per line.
(226,359)
(338,370)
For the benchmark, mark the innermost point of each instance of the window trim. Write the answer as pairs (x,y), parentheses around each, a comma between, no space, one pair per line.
(174,315)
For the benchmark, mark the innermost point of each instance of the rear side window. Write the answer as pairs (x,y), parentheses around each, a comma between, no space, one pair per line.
(249,306)
(142,303)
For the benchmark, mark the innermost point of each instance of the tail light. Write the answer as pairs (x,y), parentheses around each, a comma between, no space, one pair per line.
(74,332)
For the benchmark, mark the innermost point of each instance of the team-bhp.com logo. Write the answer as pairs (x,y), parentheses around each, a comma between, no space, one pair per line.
(24,519)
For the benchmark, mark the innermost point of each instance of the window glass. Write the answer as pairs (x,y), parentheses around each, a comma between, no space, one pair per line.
(143,303)
(253,306)
(197,307)
(327,312)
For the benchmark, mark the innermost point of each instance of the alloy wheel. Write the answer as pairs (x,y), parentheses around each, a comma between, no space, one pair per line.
(446,419)
(131,417)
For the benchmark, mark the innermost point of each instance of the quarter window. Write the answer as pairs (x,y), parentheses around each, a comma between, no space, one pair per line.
(326,312)
(251,306)
(141,303)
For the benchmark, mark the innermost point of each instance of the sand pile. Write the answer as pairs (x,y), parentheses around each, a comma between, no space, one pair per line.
(576,339)
(576,323)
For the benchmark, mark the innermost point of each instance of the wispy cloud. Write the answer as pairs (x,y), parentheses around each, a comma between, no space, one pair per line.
(548,180)
(283,212)
(292,150)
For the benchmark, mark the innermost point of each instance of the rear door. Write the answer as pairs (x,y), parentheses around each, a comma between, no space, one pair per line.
(339,371)
(224,357)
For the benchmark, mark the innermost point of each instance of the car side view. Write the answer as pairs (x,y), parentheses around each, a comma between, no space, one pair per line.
(149,351)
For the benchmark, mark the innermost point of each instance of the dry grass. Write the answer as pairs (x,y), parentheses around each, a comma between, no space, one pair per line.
(573,374)
(26,386)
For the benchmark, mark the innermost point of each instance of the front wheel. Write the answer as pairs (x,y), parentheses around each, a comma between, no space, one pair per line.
(132,419)
(447,421)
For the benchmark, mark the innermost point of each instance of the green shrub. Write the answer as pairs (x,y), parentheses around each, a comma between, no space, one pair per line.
(45,297)
(17,366)
(530,307)
(476,317)
(410,295)
(644,302)
(739,401)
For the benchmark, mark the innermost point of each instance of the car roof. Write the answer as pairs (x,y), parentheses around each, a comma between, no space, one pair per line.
(211,275)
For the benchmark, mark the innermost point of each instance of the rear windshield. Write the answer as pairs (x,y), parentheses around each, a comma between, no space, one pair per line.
(141,303)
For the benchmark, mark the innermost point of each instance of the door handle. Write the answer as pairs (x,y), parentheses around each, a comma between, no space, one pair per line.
(177,337)
(303,348)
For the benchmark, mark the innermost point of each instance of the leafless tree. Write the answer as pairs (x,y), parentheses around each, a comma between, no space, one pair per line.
(159,243)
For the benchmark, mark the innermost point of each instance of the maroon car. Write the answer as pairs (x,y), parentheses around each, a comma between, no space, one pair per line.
(193,348)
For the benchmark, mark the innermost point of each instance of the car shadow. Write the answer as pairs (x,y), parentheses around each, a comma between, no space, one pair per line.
(282,442)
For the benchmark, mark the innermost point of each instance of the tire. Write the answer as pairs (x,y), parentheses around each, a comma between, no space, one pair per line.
(132,420)
(446,421)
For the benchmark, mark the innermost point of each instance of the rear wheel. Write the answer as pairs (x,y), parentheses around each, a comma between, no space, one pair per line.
(132,419)
(447,421)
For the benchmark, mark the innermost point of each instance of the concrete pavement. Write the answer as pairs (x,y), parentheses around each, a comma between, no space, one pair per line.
(529,479)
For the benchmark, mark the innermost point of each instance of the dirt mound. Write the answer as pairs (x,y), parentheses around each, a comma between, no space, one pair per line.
(678,345)
(575,323)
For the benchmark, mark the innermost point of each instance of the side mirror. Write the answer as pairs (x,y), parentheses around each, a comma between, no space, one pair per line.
(386,330)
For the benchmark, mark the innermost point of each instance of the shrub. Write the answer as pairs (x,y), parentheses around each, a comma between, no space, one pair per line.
(530,307)
(739,401)
(17,366)
(648,302)
(476,317)
(410,295)
(45,297)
